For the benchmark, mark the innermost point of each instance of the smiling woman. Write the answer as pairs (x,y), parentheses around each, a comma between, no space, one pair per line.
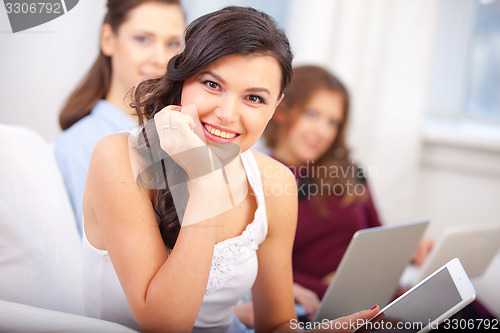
(235,103)
(157,263)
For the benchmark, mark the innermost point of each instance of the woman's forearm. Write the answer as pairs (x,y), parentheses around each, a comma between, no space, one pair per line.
(175,293)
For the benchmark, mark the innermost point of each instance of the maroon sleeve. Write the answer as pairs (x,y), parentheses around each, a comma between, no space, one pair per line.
(310,282)
(371,210)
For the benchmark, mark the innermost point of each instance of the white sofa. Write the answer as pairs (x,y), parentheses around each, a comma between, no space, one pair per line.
(40,254)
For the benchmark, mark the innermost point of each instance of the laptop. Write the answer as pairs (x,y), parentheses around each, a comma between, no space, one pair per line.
(370,269)
(475,245)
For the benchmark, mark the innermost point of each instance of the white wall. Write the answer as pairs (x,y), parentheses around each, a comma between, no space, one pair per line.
(40,66)
(459,178)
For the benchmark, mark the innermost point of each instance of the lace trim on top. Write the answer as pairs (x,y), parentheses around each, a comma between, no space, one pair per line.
(228,251)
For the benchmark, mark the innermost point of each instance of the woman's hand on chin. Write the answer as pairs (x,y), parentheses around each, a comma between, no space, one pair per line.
(179,141)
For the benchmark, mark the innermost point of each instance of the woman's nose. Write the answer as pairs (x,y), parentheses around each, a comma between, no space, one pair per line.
(160,55)
(227,111)
(325,129)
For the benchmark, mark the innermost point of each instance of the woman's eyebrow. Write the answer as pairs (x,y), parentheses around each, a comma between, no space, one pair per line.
(215,76)
(222,81)
(145,31)
(259,90)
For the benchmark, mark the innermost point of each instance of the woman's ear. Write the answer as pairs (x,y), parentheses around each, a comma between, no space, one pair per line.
(278,114)
(279,100)
(108,40)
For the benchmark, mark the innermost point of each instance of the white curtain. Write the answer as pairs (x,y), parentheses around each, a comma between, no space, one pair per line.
(381,49)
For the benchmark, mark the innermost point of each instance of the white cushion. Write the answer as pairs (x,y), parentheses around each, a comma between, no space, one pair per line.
(40,248)
(16,317)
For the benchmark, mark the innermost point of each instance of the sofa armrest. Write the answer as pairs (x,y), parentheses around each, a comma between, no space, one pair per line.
(15,317)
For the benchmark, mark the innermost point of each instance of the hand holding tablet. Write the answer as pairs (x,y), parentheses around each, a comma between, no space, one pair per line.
(426,305)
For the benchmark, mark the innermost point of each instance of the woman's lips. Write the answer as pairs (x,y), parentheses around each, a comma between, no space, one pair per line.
(218,134)
(313,146)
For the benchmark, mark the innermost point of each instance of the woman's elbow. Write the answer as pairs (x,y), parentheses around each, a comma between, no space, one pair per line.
(163,320)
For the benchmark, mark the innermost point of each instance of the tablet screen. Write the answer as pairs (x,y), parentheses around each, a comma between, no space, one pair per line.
(417,309)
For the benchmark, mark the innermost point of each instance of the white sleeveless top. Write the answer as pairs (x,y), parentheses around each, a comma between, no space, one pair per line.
(232,274)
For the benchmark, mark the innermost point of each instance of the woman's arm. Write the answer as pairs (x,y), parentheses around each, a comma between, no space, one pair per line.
(272,292)
(162,294)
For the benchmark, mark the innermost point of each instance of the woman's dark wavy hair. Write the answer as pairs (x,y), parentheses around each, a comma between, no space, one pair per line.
(229,31)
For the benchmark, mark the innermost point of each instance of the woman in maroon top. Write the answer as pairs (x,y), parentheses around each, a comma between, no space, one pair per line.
(308,134)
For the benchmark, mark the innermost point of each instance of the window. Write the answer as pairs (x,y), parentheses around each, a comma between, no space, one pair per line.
(465,75)
(483,64)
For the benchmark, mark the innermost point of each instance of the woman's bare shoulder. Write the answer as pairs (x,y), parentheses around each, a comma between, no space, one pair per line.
(115,151)
(112,146)
(280,191)
(272,171)
(112,161)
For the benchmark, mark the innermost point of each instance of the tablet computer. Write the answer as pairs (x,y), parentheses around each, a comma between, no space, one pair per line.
(426,305)
(370,269)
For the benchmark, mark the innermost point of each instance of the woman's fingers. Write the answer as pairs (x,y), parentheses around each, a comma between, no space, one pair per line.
(178,140)
(189,120)
(163,117)
(245,313)
(307,298)
(175,130)
(350,323)
(170,117)
(424,247)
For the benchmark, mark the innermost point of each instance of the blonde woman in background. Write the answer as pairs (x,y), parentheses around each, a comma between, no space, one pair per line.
(138,37)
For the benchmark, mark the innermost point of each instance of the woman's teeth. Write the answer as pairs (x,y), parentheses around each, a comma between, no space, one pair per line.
(218,132)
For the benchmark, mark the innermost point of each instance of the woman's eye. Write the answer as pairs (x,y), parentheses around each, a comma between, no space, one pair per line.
(174,45)
(211,84)
(256,99)
(142,39)
(334,123)
(311,113)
